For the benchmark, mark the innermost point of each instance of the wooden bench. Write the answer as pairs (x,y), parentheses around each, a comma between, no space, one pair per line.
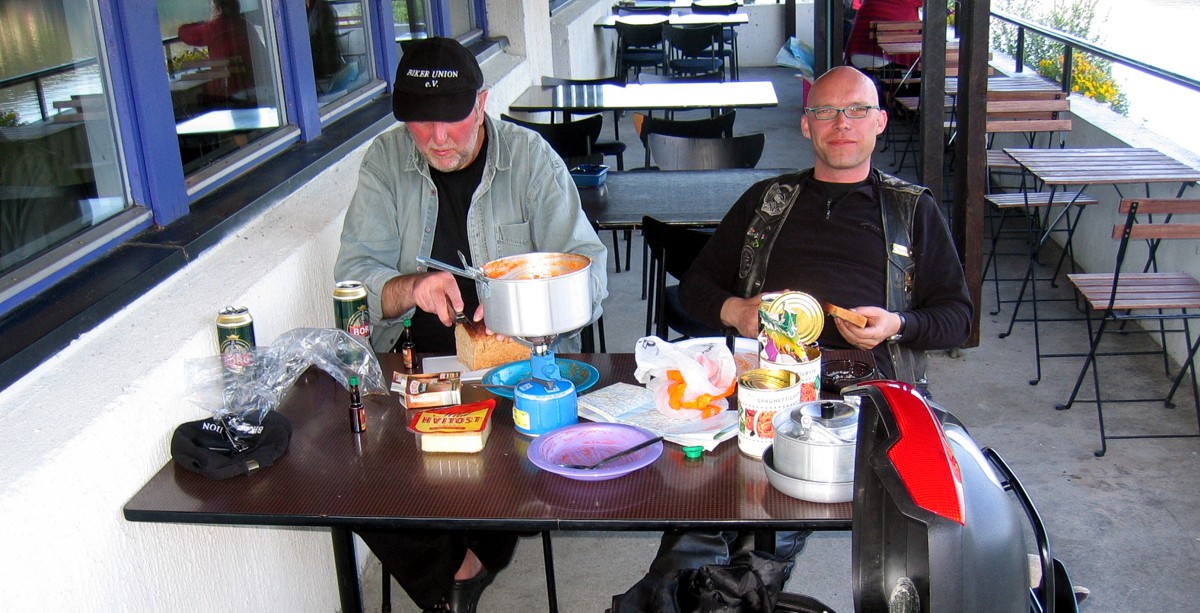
(1018,200)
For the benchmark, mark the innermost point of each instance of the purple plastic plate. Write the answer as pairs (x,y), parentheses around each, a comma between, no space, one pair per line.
(587,443)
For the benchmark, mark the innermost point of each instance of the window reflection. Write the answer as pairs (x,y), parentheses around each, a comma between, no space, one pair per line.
(224,78)
(338,35)
(59,170)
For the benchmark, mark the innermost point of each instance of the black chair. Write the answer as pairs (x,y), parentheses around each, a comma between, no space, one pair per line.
(695,50)
(682,153)
(614,148)
(730,35)
(672,250)
(713,127)
(639,45)
(663,9)
(572,140)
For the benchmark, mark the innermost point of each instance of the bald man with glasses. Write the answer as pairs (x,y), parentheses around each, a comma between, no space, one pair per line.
(845,233)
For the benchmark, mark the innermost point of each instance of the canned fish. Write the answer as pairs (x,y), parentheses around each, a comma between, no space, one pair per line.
(787,322)
(350,308)
(235,337)
(762,392)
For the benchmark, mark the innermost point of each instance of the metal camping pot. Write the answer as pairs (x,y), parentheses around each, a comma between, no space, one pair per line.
(535,295)
(815,441)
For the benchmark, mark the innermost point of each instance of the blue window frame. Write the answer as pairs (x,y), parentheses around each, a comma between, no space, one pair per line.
(156,190)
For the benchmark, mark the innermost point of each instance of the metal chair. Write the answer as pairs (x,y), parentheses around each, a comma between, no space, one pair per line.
(720,126)
(681,153)
(639,45)
(672,250)
(574,141)
(730,36)
(694,50)
(1151,296)
(614,147)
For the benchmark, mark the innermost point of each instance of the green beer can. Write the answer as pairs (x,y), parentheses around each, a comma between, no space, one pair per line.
(235,338)
(350,308)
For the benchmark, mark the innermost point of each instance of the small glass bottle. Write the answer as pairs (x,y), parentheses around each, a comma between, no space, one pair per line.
(407,349)
(358,413)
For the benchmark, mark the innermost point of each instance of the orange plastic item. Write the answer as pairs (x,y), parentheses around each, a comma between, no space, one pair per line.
(704,402)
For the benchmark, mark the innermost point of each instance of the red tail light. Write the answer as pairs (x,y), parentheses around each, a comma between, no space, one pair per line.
(922,456)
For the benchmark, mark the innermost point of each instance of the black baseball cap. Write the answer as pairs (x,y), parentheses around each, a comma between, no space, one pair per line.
(437,80)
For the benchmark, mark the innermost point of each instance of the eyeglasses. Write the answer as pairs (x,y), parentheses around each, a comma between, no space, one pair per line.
(826,113)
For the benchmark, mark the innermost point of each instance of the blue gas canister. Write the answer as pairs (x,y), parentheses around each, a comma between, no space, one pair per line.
(541,405)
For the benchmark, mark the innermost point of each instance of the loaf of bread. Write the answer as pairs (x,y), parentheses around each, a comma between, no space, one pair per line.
(477,349)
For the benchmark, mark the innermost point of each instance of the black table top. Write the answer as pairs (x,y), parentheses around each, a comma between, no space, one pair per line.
(647,96)
(326,478)
(625,197)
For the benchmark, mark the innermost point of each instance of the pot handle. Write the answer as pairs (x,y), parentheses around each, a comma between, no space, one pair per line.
(432,263)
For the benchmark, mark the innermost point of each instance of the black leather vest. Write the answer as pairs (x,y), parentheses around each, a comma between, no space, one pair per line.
(898,204)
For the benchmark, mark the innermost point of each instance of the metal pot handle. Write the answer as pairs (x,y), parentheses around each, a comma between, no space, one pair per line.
(470,274)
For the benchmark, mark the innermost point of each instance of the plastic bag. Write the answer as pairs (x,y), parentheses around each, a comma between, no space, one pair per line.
(689,382)
(240,399)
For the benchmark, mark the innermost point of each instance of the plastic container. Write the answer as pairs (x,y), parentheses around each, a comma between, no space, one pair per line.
(589,175)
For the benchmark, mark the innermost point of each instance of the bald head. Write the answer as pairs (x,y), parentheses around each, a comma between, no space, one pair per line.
(843,143)
(842,79)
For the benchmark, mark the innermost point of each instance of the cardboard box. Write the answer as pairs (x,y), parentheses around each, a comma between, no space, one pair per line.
(422,391)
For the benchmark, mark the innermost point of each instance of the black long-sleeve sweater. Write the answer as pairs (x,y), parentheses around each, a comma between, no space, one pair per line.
(831,247)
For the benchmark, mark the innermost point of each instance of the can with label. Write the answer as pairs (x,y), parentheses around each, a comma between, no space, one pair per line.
(807,369)
(350,308)
(787,323)
(763,392)
(235,337)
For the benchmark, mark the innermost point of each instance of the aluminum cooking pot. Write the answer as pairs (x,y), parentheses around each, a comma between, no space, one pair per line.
(815,441)
(531,295)
(536,294)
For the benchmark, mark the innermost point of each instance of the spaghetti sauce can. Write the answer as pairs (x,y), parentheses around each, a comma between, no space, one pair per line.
(350,308)
(763,392)
(235,338)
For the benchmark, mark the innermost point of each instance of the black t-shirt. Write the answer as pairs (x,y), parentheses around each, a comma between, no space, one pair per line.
(455,190)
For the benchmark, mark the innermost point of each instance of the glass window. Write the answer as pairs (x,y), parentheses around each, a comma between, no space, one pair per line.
(225,85)
(59,169)
(410,19)
(339,35)
(462,20)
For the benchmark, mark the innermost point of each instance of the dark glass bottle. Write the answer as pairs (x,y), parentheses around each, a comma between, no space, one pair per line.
(358,413)
(407,349)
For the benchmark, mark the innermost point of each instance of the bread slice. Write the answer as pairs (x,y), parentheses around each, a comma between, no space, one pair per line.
(846,315)
(477,349)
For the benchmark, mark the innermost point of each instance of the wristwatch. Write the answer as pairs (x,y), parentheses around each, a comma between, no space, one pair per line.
(895,338)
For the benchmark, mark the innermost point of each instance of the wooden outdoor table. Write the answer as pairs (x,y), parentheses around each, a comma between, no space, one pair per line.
(1059,168)
(332,478)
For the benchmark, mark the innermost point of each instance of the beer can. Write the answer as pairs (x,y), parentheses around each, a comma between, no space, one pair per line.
(763,392)
(350,308)
(235,337)
(787,323)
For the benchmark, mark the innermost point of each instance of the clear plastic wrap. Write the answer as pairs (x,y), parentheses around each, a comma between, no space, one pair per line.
(240,397)
(689,382)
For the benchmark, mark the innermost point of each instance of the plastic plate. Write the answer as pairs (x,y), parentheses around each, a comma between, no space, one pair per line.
(582,374)
(586,443)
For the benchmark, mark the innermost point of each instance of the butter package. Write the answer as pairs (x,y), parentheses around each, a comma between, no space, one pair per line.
(458,429)
(421,391)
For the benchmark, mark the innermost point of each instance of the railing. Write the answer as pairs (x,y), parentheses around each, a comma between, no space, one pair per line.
(38,76)
(1071,43)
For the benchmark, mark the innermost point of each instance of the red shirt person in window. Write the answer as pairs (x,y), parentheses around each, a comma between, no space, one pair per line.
(227,36)
(861,50)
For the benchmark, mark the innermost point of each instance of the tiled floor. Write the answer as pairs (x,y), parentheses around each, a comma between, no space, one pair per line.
(1126,525)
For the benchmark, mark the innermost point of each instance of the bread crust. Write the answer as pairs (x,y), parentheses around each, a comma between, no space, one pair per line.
(477,349)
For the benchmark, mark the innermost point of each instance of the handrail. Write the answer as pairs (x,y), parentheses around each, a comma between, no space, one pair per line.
(37,75)
(1072,42)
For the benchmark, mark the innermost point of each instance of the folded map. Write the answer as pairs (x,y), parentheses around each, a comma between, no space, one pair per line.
(624,403)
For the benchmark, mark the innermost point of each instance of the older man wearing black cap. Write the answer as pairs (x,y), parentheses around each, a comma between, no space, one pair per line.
(451,179)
